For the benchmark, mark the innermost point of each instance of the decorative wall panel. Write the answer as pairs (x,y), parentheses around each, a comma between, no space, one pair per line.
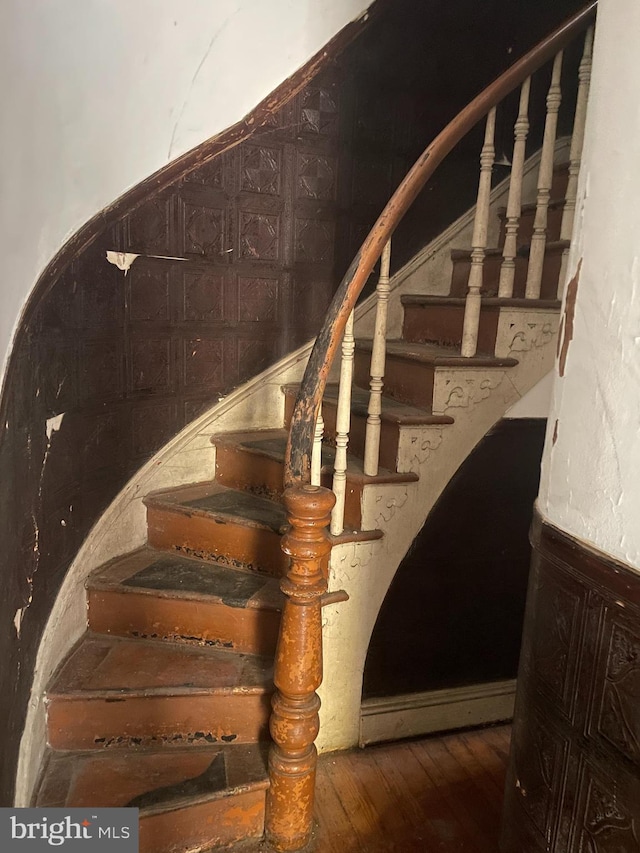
(609,820)
(615,715)
(202,295)
(259,236)
(574,778)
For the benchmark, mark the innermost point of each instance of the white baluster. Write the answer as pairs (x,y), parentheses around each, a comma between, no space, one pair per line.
(343,423)
(545,178)
(479,241)
(316,454)
(514,203)
(378,356)
(575,152)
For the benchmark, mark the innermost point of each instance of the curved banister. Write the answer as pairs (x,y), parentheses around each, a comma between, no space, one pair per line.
(301,432)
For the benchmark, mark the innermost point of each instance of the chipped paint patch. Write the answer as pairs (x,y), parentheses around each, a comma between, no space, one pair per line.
(566,330)
(53,425)
(19,614)
(122,260)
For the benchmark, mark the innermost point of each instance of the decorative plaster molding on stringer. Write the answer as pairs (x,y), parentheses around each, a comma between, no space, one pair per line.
(521,330)
(416,446)
(435,453)
(460,388)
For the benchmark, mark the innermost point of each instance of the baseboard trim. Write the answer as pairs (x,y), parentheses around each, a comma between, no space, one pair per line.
(415,714)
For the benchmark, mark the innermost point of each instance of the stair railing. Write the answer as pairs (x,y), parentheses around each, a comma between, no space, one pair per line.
(298,668)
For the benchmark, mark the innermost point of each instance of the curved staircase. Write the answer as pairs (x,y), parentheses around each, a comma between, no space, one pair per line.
(164,703)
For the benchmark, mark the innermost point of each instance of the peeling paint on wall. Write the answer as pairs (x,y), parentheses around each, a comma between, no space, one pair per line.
(53,425)
(566,328)
(124,260)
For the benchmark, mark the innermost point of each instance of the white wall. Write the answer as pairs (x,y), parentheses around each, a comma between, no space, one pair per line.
(591,475)
(535,403)
(95,95)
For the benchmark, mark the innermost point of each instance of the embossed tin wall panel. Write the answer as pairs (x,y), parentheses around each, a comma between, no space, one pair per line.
(578,692)
(615,716)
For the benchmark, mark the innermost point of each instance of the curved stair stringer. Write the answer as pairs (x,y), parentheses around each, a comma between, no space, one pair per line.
(476,398)
(189,457)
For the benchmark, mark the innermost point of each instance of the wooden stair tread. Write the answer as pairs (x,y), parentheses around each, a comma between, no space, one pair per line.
(272,443)
(437,355)
(148,780)
(488,301)
(551,247)
(104,667)
(530,207)
(148,571)
(222,504)
(393,411)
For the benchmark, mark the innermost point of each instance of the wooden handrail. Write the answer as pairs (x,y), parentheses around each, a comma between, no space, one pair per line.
(301,432)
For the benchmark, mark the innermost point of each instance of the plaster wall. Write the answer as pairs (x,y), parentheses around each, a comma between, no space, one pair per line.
(97,95)
(590,485)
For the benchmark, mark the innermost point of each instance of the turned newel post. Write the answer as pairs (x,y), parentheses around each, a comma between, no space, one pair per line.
(298,670)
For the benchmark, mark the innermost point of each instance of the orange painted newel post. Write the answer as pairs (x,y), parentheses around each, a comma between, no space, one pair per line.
(298,670)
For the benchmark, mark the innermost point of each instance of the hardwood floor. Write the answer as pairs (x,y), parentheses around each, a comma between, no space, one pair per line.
(435,794)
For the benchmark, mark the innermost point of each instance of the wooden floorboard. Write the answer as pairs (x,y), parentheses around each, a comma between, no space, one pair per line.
(432,795)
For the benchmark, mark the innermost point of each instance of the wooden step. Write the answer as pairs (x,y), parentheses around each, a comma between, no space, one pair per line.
(560,180)
(118,693)
(196,798)
(525,225)
(461,259)
(411,368)
(251,461)
(439,319)
(395,415)
(254,461)
(155,595)
(218,524)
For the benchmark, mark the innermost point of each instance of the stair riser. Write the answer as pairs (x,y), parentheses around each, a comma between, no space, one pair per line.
(525,226)
(357,436)
(250,472)
(130,614)
(242,546)
(214,824)
(491,276)
(405,380)
(559,181)
(154,721)
(443,324)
